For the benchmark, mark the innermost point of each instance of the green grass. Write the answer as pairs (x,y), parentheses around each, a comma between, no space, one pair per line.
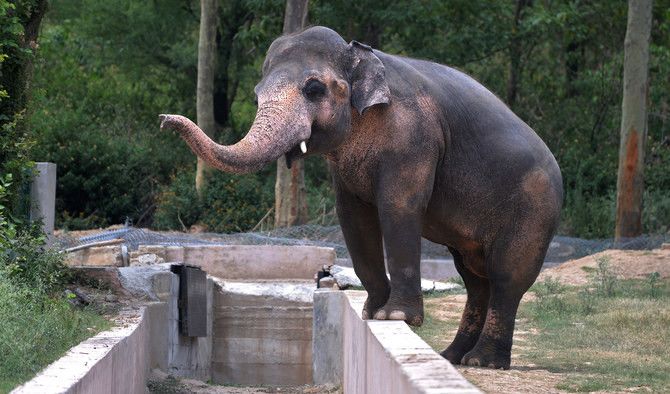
(36,329)
(608,336)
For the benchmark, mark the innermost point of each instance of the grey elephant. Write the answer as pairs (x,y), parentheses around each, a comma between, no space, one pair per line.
(416,149)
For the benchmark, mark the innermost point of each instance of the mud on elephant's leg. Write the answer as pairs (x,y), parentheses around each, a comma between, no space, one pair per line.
(474,314)
(494,347)
(512,271)
(360,227)
(402,239)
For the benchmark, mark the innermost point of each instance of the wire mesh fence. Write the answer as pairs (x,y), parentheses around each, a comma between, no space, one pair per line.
(562,248)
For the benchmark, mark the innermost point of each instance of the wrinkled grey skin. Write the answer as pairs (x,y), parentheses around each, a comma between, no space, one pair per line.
(416,149)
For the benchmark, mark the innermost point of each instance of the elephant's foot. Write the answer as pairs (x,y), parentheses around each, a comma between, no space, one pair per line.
(458,348)
(410,312)
(372,305)
(484,356)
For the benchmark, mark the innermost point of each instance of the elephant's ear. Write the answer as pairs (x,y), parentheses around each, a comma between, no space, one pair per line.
(367,78)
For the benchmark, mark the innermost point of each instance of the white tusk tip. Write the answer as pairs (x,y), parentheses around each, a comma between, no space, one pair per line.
(303,147)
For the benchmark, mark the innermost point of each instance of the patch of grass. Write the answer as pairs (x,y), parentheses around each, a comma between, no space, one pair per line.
(610,335)
(169,385)
(583,385)
(36,329)
(437,329)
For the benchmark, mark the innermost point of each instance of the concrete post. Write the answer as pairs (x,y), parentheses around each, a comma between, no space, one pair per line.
(43,197)
(327,336)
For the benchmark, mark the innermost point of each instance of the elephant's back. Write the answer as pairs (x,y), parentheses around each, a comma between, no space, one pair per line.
(475,122)
(489,150)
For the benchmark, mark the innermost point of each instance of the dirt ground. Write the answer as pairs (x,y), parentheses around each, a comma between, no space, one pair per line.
(626,264)
(160,382)
(525,377)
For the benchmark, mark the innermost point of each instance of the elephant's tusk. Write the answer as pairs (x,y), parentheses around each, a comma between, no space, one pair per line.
(303,147)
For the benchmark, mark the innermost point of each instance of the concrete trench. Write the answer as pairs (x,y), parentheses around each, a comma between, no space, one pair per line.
(260,322)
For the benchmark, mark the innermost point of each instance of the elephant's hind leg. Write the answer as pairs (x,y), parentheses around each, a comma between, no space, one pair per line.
(474,313)
(513,266)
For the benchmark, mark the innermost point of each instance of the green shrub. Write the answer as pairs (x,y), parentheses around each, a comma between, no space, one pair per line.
(656,210)
(178,206)
(37,329)
(229,203)
(99,124)
(23,257)
(26,261)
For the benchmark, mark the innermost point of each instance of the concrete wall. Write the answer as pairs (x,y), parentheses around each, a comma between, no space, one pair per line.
(261,340)
(377,356)
(188,356)
(43,197)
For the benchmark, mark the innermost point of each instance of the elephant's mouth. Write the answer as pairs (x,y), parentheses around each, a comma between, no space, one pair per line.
(297,152)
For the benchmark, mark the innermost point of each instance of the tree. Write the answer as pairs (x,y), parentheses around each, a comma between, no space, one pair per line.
(19,29)
(630,183)
(205,88)
(290,195)
(515,53)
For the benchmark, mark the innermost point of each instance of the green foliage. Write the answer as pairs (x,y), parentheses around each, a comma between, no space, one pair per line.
(605,280)
(23,258)
(109,67)
(229,203)
(36,329)
(16,55)
(101,126)
(653,280)
(37,324)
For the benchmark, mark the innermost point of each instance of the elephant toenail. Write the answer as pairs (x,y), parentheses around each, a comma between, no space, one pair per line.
(397,315)
(380,315)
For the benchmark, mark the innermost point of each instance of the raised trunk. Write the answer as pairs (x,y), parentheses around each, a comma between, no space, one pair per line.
(262,145)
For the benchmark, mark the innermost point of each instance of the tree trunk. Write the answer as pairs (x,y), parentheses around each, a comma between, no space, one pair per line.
(205,88)
(290,195)
(630,184)
(515,48)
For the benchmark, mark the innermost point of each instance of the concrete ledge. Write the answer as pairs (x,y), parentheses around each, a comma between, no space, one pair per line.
(259,261)
(114,361)
(246,262)
(378,356)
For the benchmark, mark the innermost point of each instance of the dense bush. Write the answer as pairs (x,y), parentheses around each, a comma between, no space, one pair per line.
(100,126)
(229,203)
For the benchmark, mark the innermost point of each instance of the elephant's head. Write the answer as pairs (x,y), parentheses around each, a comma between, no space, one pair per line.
(311,81)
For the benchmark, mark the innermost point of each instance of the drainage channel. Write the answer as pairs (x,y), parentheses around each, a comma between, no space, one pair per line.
(216,314)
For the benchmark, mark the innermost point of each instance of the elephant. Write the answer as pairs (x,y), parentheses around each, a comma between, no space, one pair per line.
(415,148)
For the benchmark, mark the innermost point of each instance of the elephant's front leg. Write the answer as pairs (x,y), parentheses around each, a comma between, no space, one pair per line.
(401,227)
(360,227)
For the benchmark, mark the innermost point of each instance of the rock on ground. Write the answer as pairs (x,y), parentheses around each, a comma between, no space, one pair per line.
(345,277)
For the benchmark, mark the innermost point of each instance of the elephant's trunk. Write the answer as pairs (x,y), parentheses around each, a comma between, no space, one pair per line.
(265,142)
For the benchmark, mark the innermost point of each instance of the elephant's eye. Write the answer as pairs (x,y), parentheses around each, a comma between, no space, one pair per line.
(314,89)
